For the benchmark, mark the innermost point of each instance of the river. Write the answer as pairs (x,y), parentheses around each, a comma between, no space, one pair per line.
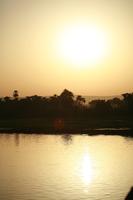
(68,167)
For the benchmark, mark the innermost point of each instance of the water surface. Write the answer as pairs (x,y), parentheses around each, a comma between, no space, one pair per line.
(69,167)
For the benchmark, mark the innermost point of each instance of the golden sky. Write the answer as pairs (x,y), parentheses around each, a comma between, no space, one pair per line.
(44,46)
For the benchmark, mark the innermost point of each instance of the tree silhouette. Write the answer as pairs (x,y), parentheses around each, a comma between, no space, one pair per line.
(65,105)
(80,100)
(67,97)
(15,94)
(128,101)
(7,99)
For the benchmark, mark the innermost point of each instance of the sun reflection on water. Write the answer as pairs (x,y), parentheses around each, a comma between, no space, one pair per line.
(86,169)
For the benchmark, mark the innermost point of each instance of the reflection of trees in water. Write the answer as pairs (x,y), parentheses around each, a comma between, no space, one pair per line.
(67,138)
(128,139)
(37,138)
(7,137)
(17,139)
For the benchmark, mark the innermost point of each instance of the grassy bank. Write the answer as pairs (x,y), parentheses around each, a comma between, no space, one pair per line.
(123,126)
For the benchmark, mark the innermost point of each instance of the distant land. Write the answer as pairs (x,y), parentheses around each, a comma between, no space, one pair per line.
(90,98)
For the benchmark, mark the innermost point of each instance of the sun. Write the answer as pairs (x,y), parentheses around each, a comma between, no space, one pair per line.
(82,45)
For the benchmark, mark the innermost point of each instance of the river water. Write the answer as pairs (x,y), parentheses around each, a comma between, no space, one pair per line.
(69,167)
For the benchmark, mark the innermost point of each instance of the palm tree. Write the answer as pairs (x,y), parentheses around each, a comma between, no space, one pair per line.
(80,100)
(15,94)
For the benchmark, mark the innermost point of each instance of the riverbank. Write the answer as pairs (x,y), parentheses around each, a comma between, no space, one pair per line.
(123,126)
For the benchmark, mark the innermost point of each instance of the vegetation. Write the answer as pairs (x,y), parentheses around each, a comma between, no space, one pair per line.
(64,105)
(65,113)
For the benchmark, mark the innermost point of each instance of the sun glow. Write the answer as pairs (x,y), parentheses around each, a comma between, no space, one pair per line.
(82,45)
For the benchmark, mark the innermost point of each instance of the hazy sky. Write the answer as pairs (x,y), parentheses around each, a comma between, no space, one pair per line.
(29,42)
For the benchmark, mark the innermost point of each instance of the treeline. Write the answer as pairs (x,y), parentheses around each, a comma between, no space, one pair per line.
(64,105)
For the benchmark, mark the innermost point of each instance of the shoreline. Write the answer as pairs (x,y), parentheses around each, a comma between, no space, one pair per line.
(90,126)
(126,132)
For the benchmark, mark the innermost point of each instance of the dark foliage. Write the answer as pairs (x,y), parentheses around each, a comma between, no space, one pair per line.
(64,105)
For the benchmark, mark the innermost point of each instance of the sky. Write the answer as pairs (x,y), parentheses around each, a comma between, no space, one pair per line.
(85,46)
